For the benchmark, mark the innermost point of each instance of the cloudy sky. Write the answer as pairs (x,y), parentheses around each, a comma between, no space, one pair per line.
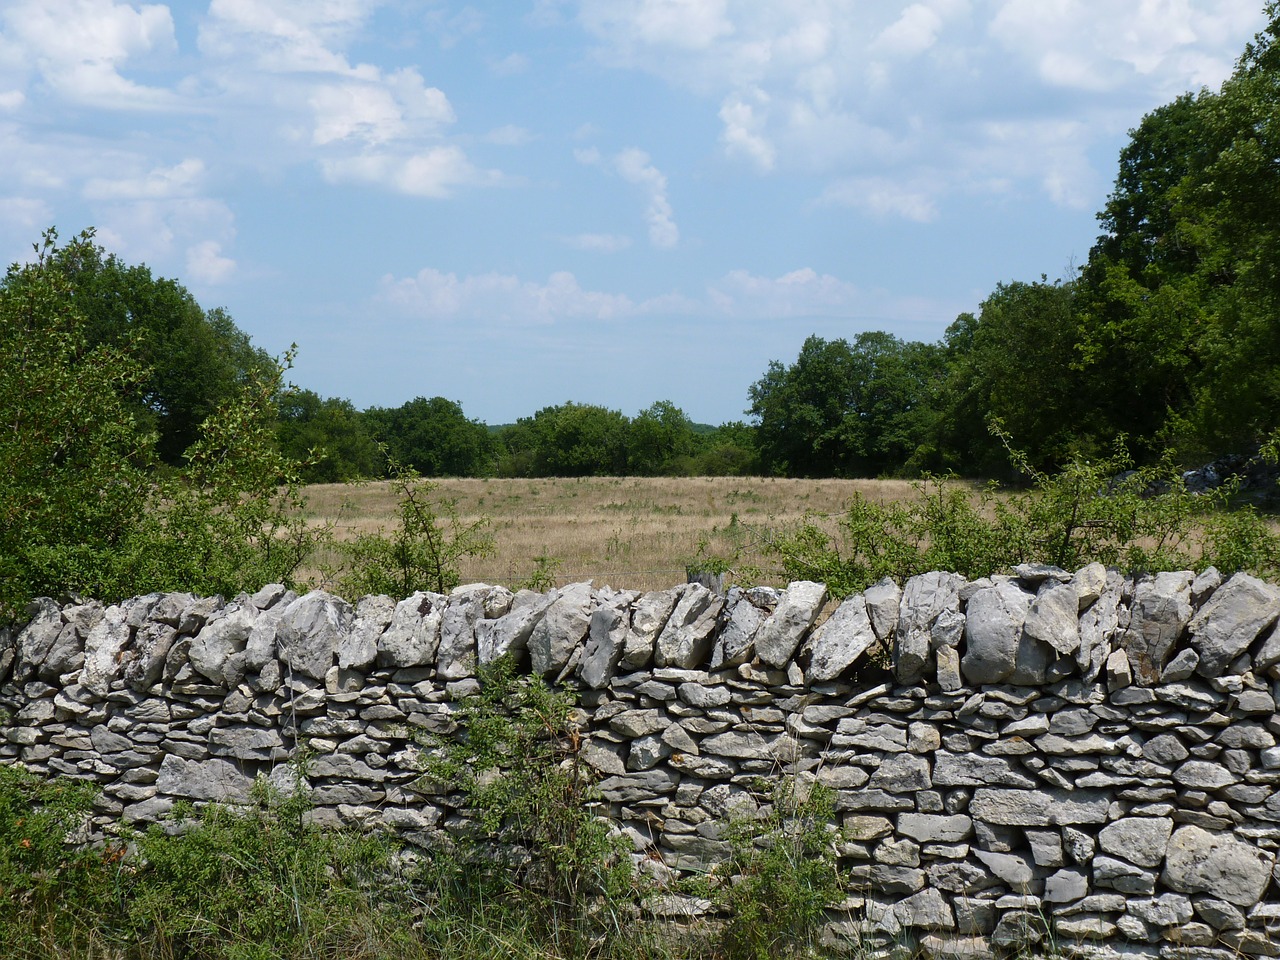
(513,204)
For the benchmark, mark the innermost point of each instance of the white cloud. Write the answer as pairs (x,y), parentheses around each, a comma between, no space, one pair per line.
(79,47)
(379,111)
(165,231)
(205,263)
(599,242)
(27,214)
(633,166)
(432,173)
(495,297)
(179,180)
(743,128)
(509,135)
(884,197)
(500,300)
(911,34)
(887,97)
(12,100)
(283,36)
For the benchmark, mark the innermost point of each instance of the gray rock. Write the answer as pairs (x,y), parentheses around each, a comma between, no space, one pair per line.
(1159,614)
(102,650)
(838,643)
(925,910)
(1012,869)
(1140,840)
(1090,583)
(687,638)
(739,744)
(632,787)
(781,634)
(1123,876)
(1231,620)
(1268,654)
(1166,910)
(1023,808)
(509,634)
(902,773)
(1203,775)
(150,648)
(606,637)
(1201,862)
(1119,670)
(1066,886)
(1053,617)
(221,637)
(214,779)
(923,598)
(1181,667)
(310,630)
(930,828)
(413,637)
(1098,625)
(649,616)
(1165,749)
(747,610)
(359,649)
(562,629)
(456,656)
(993,629)
(247,743)
(883,600)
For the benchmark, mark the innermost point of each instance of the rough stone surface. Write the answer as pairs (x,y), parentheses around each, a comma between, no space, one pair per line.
(1202,862)
(782,633)
(1234,616)
(839,642)
(993,630)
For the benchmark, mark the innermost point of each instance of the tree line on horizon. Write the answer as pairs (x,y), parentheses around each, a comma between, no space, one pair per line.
(1167,338)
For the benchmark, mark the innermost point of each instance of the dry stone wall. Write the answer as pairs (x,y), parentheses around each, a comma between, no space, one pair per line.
(1084,752)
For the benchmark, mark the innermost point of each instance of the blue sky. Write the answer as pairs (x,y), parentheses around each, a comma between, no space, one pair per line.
(609,201)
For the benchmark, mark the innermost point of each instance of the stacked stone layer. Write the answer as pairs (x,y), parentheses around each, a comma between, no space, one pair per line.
(1083,753)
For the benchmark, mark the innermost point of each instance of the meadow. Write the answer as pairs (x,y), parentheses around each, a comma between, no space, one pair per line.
(626,532)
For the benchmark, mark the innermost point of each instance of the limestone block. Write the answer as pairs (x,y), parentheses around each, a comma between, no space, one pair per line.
(1053,617)
(1198,861)
(923,598)
(686,641)
(993,630)
(746,612)
(649,616)
(102,650)
(1025,808)
(1159,614)
(359,649)
(310,630)
(211,779)
(222,636)
(456,655)
(510,633)
(839,642)
(412,639)
(781,635)
(1231,620)
(1140,840)
(606,637)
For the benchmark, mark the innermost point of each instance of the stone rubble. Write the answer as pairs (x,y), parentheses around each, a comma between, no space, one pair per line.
(1078,756)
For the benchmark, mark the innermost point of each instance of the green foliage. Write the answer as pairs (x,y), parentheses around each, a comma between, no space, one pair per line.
(433,437)
(82,508)
(328,437)
(257,882)
(782,876)
(538,847)
(44,885)
(543,576)
(192,361)
(422,552)
(233,518)
(845,409)
(1101,510)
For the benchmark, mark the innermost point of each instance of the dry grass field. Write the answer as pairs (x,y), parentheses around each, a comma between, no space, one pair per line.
(630,532)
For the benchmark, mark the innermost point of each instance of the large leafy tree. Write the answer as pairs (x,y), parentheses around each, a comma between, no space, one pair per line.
(191,360)
(328,436)
(1181,292)
(661,441)
(567,440)
(844,409)
(433,437)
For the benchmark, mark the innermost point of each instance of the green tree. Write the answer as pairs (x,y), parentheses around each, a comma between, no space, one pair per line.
(434,437)
(845,409)
(81,509)
(1013,363)
(328,436)
(192,360)
(661,441)
(76,460)
(568,440)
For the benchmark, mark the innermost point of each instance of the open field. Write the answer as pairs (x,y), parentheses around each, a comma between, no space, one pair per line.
(628,532)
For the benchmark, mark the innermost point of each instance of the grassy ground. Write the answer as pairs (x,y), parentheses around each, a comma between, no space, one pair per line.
(630,532)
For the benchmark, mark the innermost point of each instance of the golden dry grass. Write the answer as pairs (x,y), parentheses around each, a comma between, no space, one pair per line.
(629,532)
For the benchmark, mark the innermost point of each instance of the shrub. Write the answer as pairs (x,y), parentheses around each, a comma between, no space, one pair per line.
(537,848)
